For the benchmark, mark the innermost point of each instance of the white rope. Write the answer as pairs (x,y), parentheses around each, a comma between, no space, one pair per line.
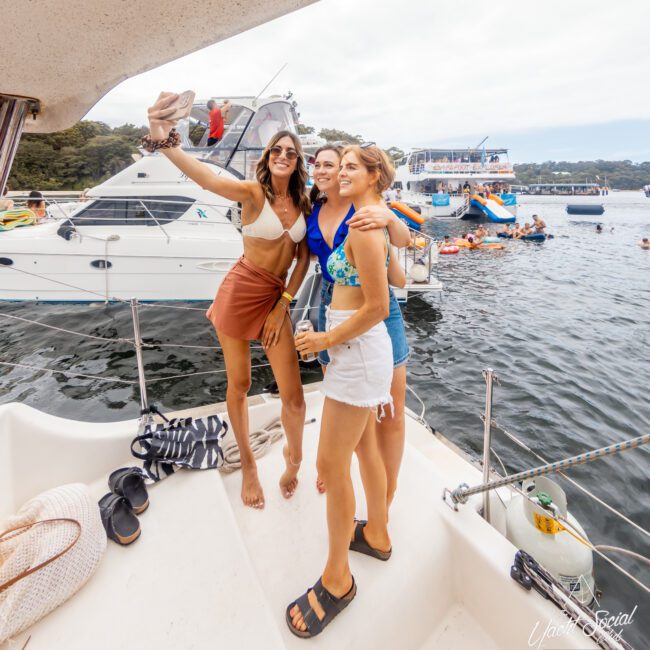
(61,329)
(260,441)
(613,510)
(67,373)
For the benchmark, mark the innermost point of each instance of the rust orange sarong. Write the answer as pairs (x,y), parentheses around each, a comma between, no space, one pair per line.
(244,299)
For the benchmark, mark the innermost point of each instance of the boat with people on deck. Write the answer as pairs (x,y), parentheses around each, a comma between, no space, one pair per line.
(460,183)
(152,233)
(205,570)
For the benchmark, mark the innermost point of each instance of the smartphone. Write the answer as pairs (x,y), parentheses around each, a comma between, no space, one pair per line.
(182,106)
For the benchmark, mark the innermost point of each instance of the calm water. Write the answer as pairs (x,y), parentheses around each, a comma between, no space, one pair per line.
(565,324)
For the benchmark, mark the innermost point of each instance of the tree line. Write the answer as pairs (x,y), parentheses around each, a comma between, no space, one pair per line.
(91,152)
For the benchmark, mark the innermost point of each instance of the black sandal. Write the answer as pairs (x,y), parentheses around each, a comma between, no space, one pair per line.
(360,545)
(331,605)
(129,482)
(121,525)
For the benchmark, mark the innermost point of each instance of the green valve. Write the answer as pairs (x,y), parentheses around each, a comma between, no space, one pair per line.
(544,499)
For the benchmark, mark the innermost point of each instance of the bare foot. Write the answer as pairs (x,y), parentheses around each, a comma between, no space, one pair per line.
(320,485)
(289,479)
(251,489)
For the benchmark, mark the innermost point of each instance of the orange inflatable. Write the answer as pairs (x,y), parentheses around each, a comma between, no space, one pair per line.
(407,212)
(496,198)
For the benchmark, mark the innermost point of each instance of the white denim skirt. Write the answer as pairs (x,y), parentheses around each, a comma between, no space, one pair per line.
(360,371)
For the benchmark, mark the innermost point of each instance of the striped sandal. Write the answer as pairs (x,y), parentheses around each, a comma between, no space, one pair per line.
(331,605)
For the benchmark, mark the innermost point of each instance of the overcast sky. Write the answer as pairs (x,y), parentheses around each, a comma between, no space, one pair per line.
(551,80)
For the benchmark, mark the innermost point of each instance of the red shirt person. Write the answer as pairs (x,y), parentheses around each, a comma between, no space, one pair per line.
(216,116)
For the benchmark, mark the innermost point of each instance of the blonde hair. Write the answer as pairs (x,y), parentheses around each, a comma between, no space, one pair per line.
(298,180)
(374,159)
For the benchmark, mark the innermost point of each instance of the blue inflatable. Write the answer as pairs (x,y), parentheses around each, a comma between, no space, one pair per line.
(537,236)
(504,235)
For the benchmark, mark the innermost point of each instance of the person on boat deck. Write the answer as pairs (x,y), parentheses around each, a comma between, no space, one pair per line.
(357,388)
(83,197)
(5,203)
(645,244)
(327,227)
(253,300)
(36,203)
(467,188)
(538,223)
(216,117)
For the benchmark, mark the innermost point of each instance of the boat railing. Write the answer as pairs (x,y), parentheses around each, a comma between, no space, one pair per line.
(457,167)
(463,492)
(462,209)
(423,253)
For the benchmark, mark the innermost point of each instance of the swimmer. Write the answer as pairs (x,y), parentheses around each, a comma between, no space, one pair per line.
(645,244)
(444,243)
(599,228)
(538,223)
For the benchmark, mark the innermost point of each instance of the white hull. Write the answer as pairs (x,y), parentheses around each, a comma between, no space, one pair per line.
(223,574)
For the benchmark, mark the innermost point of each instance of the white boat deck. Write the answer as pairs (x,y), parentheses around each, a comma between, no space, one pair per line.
(208,572)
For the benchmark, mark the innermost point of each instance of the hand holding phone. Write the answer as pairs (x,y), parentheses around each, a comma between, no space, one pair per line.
(167,110)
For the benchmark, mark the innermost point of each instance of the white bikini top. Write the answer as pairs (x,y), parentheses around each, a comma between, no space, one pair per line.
(269,226)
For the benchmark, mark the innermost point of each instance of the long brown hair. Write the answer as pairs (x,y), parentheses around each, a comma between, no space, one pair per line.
(298,180)
(315,195)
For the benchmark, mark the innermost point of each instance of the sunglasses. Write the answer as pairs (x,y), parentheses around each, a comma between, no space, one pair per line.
(366,145)
(291,154)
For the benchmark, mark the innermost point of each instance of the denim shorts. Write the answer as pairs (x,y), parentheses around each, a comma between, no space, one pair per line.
(394,324)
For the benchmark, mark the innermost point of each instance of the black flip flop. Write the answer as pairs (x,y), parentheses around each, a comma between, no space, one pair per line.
(332,606)
(129,482)
(121,525)
(360,545)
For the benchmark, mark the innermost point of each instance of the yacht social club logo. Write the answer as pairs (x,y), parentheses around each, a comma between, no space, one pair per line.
(611,624)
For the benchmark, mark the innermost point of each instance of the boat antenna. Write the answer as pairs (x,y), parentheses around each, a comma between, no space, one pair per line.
(272,80)
(480,143)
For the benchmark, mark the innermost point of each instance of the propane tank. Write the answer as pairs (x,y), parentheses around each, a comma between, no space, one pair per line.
(530,526)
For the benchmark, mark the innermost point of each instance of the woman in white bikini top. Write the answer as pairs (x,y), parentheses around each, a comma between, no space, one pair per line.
(253,299)
(268,226)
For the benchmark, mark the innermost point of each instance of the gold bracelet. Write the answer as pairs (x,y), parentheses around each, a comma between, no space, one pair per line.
(287,295)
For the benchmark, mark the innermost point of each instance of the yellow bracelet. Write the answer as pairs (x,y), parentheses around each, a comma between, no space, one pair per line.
(287,295)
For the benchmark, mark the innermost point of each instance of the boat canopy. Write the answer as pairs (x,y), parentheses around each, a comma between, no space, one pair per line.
(67,55)
(455,155)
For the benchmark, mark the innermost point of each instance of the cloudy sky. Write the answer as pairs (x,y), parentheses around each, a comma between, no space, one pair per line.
(563,80)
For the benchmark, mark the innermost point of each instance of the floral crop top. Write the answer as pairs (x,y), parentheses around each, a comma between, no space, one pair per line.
(339,267)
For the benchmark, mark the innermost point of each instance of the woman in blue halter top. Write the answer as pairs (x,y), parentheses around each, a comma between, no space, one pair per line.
(329,222)
(357,388)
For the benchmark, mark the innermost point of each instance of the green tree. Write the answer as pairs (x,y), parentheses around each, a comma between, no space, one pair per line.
(305,130)
(395,153)
(335,135)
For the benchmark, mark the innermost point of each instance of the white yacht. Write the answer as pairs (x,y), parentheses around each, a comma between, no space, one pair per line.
(150,232)
(444,182)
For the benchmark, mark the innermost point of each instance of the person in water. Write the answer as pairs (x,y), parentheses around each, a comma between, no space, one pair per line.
(357,389)
(253,299)
(444,243)
(328,225)
(645,244)
(539,224)
(481,233)
(506,229)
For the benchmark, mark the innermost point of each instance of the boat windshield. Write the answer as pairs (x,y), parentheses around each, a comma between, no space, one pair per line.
(245,135)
